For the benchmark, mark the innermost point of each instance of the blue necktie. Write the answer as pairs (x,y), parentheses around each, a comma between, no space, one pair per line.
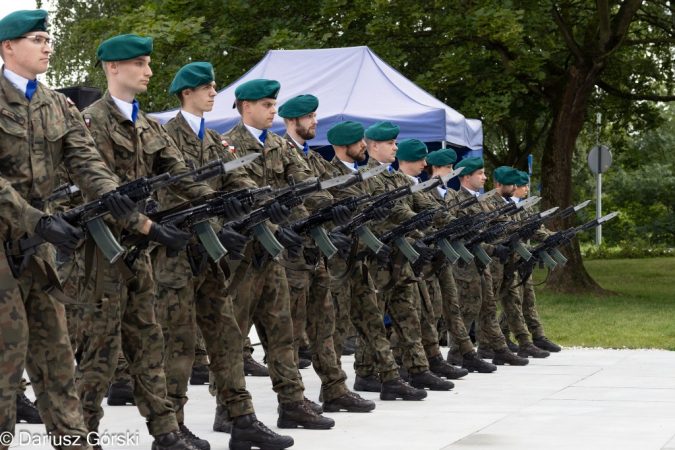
(390,169)
(262,136)
(356,166)
(305,148)
(31,87)
(201,129)
(134,111)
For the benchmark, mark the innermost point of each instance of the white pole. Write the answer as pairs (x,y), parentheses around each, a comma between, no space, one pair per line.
(598,208)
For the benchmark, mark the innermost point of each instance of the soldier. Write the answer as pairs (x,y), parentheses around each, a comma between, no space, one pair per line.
(262,297)
(526,291)
(474,283)
(40,128)
(187,300)
(133,145)
(355,295)
(398,294)
(503,287)
(440,163)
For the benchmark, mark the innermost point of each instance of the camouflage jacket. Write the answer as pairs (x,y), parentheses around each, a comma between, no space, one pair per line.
(320,168)
(35,138)
(141,149)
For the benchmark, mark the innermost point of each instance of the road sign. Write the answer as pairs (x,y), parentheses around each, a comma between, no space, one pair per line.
(599,159)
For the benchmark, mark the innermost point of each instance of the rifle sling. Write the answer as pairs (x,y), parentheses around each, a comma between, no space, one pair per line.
(351,263)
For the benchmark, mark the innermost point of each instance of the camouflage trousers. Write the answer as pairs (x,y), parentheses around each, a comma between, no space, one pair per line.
(443,287)
(262,299)
(71,274)
(506,292)
(401,304)
(314,315)
(477,303)
(356,306)
(529,309)
(201,356)
(123,319)
(185,302)
(424,306)
(34,336)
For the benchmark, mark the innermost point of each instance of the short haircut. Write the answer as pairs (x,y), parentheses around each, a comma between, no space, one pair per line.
(240,105)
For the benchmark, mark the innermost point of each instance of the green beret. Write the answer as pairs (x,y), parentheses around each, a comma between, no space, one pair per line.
(123,47)
(192,75)
(524,178)
(506,175)
(345,133)
(411,150)
(442,157)
(382,131)
(299,106)
(18,23)
(470,165)
(257,89)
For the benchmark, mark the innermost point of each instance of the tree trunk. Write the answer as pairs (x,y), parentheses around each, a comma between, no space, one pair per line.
(556,171)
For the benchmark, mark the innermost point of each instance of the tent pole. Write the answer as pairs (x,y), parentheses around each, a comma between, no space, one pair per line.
(443,144)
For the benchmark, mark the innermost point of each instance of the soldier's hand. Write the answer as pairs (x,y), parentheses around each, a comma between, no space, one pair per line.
(233,242)
(425,252)
(279,213)
(502,252)
(170,236)
(291,241)
(426,223)
(383,255)
(57,231)
(341,215)
(380,213)
(120,206)
(234,209)
(342,243)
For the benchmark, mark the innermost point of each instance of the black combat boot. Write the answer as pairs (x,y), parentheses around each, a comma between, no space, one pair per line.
(531,350)
(222,422)
(472,363)
(427,380)
(505,356)
(397,388)
(544,344)
(402,372)
(299,414)
(199,375)
(304,353)
(121,394)
(249,432)
(371,383)
(315,406)
(254,368)
(171,441)
(441,369)
(454,357)
(349,347)
(188,436)
(350,402)
(26,411)
(304,363)
(511,345)
(486,353)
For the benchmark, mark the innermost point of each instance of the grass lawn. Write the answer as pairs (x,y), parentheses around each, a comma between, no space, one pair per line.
(641,315)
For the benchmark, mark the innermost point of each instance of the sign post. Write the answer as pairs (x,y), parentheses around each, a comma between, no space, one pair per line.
(599,160)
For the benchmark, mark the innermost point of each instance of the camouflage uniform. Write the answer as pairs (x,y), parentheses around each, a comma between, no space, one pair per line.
(402,302)
(35,137)
(262,296)
(123,319)
(186,301)
(201,355)
(476,298)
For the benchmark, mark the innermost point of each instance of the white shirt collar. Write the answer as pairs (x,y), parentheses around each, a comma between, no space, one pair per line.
(195,122)
(414,179)
(441,190)
(18,81)
(474,193)
(296,143)
(349,165)
(254,132)
(125,108)
(516,199)
(506,200)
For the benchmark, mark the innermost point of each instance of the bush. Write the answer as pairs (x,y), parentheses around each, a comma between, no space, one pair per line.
(628,251)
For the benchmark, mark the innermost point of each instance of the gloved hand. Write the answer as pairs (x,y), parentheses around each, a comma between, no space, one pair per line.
(279,213)
(233,242)
(425,252)
(341,215)
(384,255)
(235,210)
(426,223)
(564,241)
(120,206)
(170,236)
(56,230)
(290,240)
(502,252)
(527,233)
(381,213)
(342,243)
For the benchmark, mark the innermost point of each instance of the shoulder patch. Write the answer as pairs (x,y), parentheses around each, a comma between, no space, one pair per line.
(290,144)
(70,102)
(87,121)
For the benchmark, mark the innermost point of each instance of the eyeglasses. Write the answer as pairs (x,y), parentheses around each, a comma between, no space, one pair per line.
(40,40)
